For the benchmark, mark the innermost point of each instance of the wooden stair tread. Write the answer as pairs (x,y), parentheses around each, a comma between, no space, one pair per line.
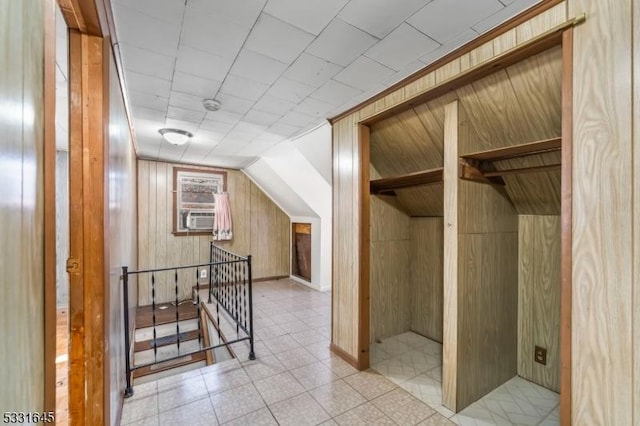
(165,340)
(144,314)
(162,366)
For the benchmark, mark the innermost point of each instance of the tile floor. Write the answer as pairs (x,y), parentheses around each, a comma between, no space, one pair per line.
(296,380)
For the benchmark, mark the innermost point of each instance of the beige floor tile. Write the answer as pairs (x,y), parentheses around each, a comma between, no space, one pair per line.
(227,378)
(236,402)
(339,366)
(308,337)
(437,420)
(337,397)
(143,407)
(261,417)
(182,393)
(370,384)
(148,421)
(313,375)
(281,344)
(198,413)
(278,388)
(364,415)
(295,358)
(320,350)
(402,407)
(263,366)
(300,410)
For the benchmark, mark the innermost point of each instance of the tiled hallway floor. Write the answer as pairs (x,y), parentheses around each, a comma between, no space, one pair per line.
(296,380)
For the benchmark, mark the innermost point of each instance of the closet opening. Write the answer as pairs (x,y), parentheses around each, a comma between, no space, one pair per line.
(301,250)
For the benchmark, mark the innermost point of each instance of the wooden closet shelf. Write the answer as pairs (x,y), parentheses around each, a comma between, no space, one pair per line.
(533,148)
(387,185)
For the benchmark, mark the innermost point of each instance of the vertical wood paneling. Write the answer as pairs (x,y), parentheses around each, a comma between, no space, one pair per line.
(603,216)
(21,208)
(636,214)
(260,228)
(426,283)
(539,298)
(450,250)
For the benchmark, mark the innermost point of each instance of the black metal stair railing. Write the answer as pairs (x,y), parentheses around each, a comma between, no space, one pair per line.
(229,287)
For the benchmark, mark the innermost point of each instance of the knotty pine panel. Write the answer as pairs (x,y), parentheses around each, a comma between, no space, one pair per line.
(603,306)
(426,276)
(260,228)
(22,215)
(539,298)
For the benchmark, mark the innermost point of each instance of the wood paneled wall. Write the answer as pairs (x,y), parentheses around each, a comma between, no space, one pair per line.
(260,228)
(389,269)
(606,304)
(539,298)
(122,237)
(426,282)
(21,206)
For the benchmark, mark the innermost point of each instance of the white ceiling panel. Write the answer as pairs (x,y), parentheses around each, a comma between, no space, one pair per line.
(168,11)
(284,130)
(180,124)
(202,64)
(290,90)
(234,104)
(169,151)
(451,45)
(335,93)
(147,62)
(186,101)
(196,86)
(149,114)
(255,149)
(243,88)
(277,39)
(242,12)
(257,67)
(363,73)
(341,43)
(223,116)
(141,30)
(148,84)
(314,107)
(212,34)
(297,119)
(206,138)
(379,17)
(513,8)
(311,70)
(438,22)
(311,16)
(191,116)
(216,126)
(261,118)
(148,100)
(403,46)
(273,105)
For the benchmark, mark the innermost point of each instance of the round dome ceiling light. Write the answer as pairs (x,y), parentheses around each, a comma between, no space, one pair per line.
(211,104)
(175,136)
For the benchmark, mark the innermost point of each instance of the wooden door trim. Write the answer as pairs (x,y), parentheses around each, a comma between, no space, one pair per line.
(566,227)
(49,168)
(364,288)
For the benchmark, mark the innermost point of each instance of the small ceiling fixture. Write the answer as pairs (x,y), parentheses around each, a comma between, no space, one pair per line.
(175,136)
(211,104)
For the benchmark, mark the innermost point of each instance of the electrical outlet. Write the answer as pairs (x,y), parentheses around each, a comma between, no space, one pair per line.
(203,273)
(540,355)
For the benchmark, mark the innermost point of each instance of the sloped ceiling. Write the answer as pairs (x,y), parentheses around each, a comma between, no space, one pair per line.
(516,105)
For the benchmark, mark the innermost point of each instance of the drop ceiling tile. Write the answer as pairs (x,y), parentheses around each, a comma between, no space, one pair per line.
(404,45)
(195,151)
(439,22)
(277,39)
(311,70)
(207,138)
(185,114)
(146,62)
(242,12)
(148,113)
(312,17)
(293,118)
(341,43)
(186,101)
(273,105)
(503,15)
(314,107)
(234,104)
(202,64)
(284,130)
(169,11)
(148,100)
(379,17)
(228,147)
(450,46)
(181,124)
(257,67)
(405,72)
(196,86)
(243,87)
(216,126)
(261,117)
(171,152)
(212,33)
(148,149)
(363,73)
(144,31)
(268,137)
(335,93)
(223,116)
(249,130)
(290,90)
(147,84)
(255,149)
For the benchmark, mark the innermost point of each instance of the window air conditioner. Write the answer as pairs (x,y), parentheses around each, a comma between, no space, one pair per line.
(201,219)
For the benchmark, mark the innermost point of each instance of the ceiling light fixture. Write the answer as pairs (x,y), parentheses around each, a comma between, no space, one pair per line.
(175,136)
(211,104)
